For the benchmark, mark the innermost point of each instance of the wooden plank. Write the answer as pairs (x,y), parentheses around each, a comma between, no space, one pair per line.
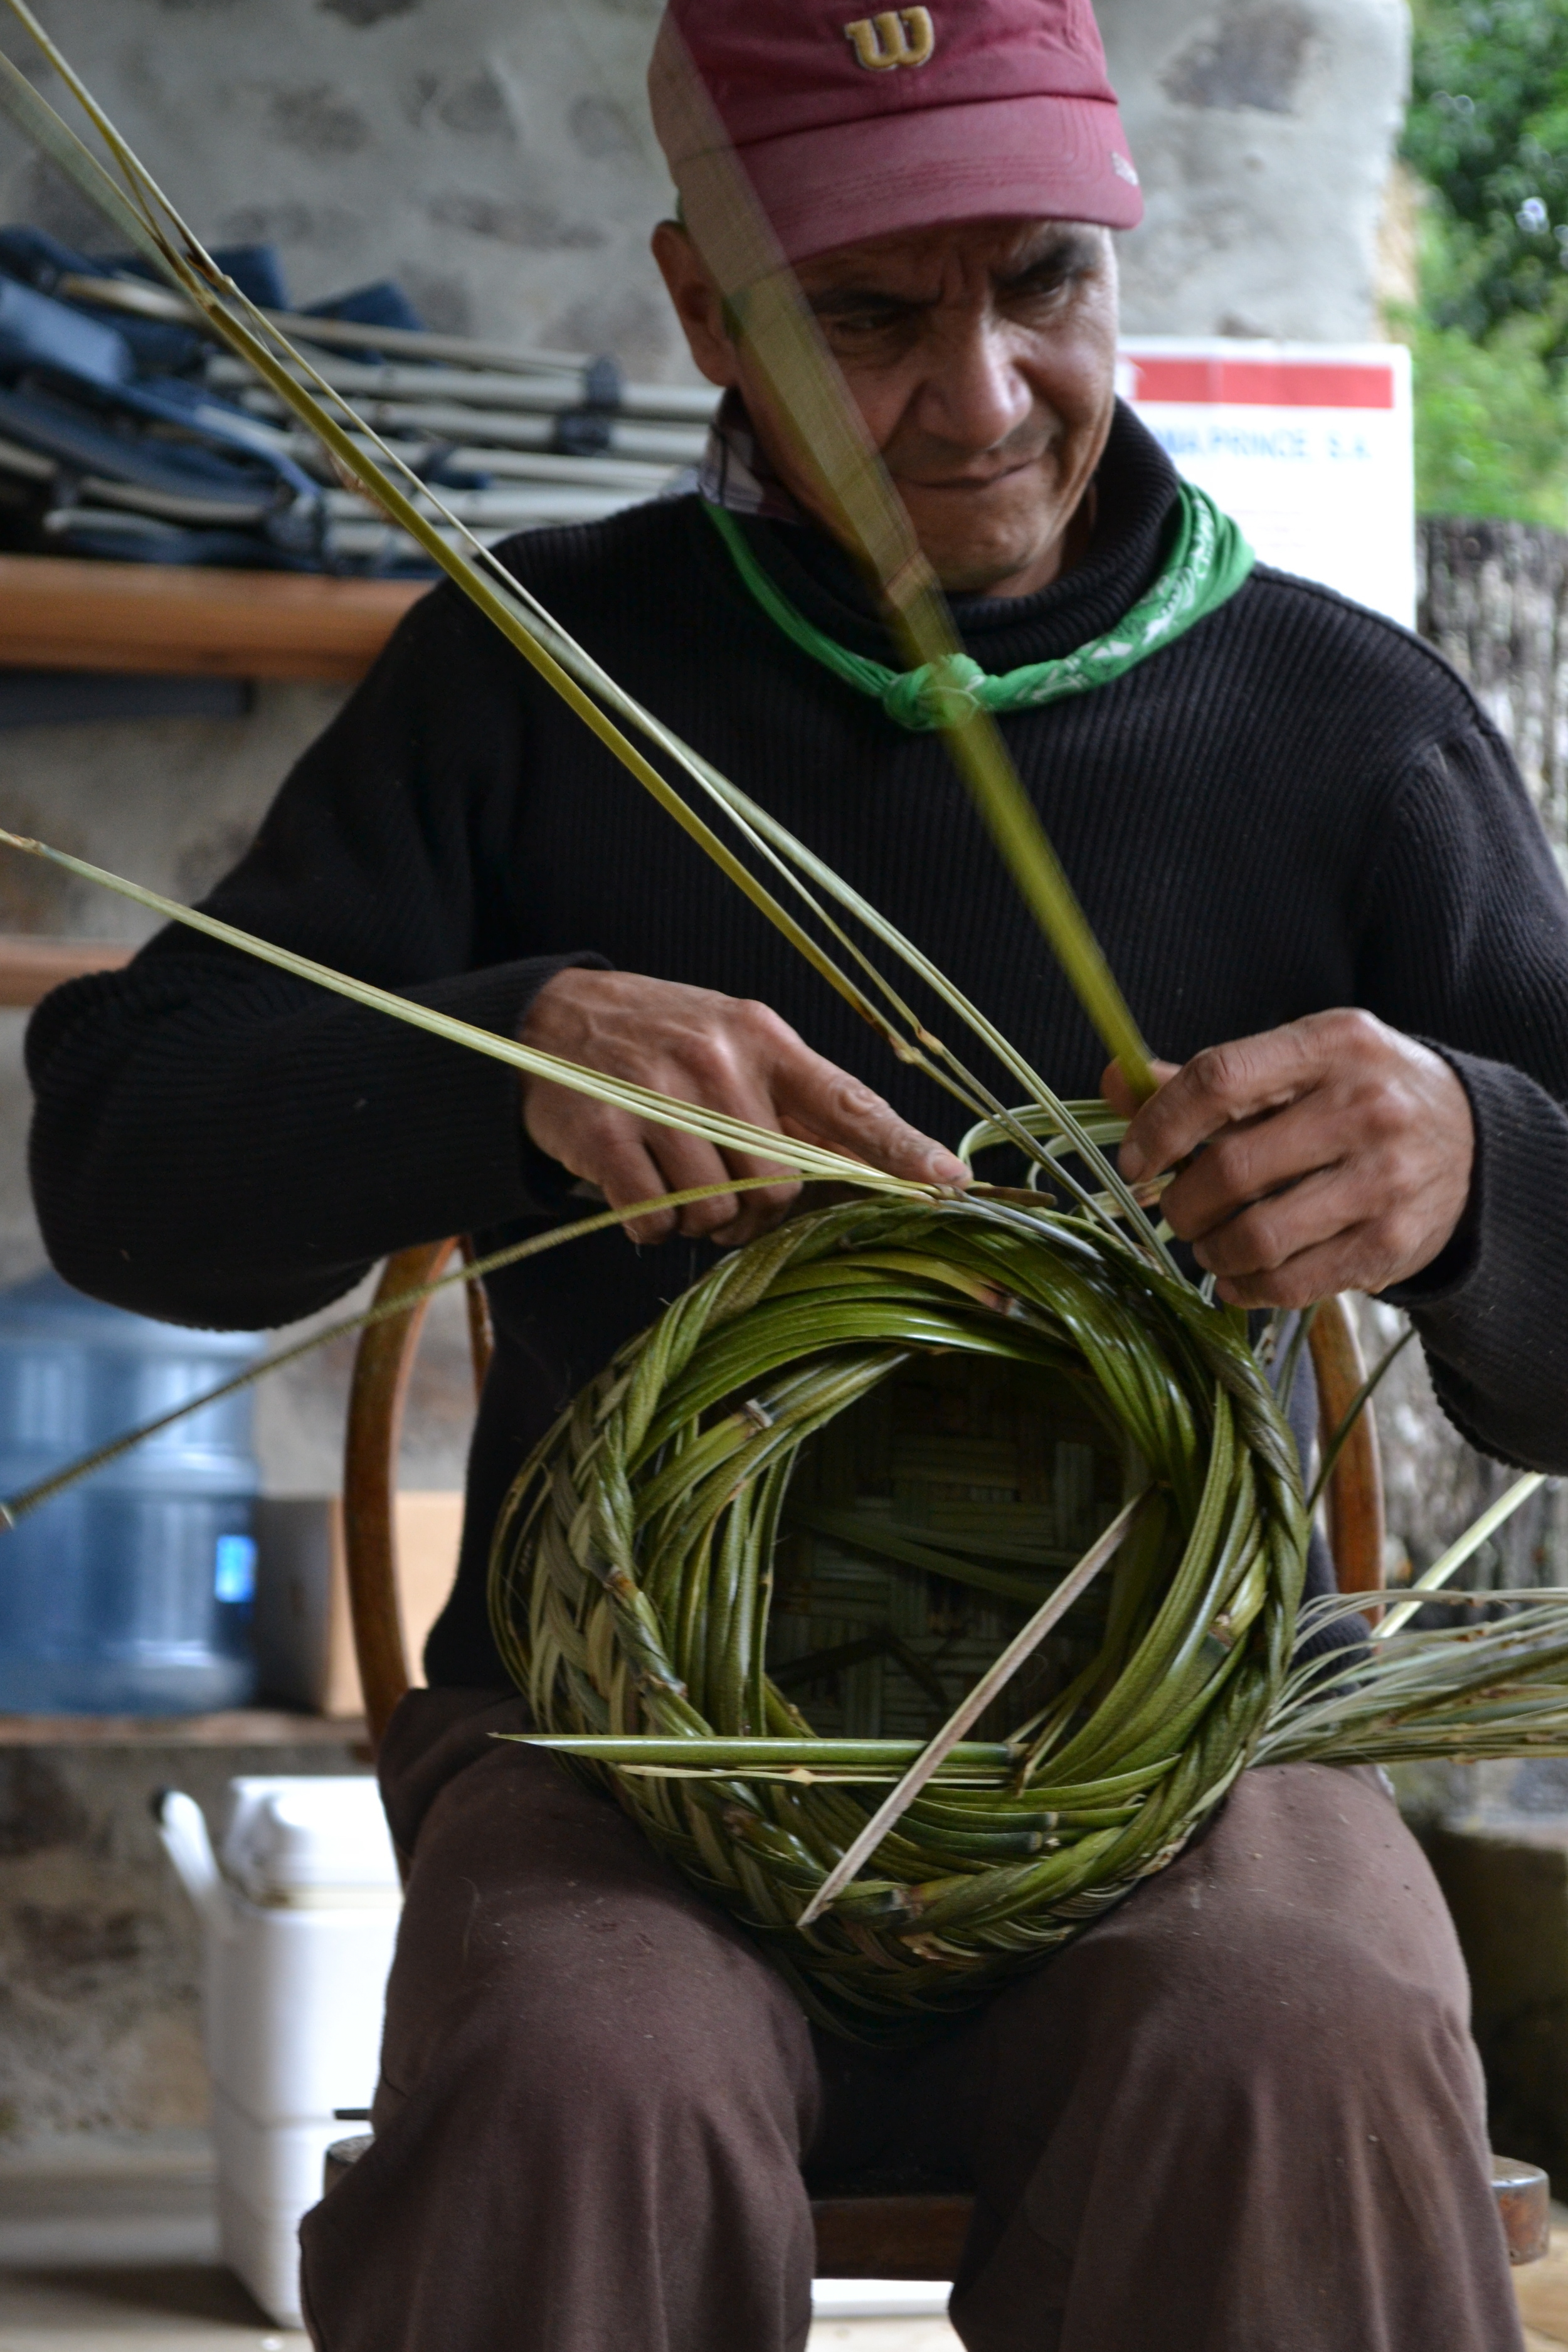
(921,2236)
(63,613)
(241,1726)
(30,968)
(907,2237)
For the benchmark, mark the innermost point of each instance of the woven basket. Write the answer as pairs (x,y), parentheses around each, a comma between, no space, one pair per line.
(819,1495)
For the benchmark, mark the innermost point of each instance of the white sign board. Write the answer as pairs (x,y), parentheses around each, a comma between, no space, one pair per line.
(1310,446)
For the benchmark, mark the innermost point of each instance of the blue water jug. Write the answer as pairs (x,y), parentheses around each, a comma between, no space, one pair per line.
(131,1593)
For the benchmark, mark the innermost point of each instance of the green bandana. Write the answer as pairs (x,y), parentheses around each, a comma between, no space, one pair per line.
(1208,563)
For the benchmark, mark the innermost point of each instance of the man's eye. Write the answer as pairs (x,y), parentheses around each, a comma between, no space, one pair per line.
(1035,291)
(863,323)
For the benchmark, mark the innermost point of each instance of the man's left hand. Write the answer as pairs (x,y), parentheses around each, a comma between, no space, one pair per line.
(1337,1155)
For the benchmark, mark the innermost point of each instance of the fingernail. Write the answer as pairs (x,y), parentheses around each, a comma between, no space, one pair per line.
(1133,1160)
(947,1169)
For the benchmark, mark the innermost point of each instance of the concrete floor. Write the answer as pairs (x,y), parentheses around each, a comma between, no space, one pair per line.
(111,2246)
(1543,2297)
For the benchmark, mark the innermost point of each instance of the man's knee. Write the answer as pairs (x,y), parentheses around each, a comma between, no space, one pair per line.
(1301,1946)
(658,2033)
(1292,1995)
(1301,1936)
(549,1959)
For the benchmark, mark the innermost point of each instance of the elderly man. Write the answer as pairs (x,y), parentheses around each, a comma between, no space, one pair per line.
(1242,2114)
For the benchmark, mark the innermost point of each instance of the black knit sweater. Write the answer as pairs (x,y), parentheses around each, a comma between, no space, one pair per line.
(1295,806)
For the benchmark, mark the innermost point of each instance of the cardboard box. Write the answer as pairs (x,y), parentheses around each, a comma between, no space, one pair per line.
(305,1639)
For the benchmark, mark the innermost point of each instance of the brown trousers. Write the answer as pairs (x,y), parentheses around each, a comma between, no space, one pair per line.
(1242,2114)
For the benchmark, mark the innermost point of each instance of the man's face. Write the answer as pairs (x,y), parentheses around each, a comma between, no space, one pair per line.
(982,356)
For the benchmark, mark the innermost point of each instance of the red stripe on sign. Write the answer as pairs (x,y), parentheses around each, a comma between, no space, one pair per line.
(1263,383)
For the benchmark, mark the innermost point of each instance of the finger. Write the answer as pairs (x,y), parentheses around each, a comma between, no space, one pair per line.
(1379,1235)
(820,1103)
(640,1167)
(1246,1163)
(757,1213)
(625,1172)
(1115,1089)
(1218,1086)
(1267,1235)
(685,1161)
(1347,1262)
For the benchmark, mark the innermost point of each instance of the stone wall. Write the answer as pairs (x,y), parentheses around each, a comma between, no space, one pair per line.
(99,1949)
(493,155)
(1494,599)
(1263,131)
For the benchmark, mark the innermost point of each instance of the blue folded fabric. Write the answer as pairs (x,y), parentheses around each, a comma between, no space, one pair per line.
(39,260)
(118,447)
(35,332)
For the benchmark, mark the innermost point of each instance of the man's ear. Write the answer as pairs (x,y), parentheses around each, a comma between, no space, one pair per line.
(699,305)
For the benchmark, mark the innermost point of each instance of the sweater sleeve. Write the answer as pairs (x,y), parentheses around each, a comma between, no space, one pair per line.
(1464,945)
(214,1141)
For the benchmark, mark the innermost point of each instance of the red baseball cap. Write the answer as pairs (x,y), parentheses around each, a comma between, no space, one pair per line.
(856,126)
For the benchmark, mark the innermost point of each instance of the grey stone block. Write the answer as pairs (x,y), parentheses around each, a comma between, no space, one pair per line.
(1506,1881)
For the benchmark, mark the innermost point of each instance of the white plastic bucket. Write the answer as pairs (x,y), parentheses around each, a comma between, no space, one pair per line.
(299,1923)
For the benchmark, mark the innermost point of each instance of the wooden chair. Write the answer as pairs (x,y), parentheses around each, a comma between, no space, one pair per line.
(904,2235)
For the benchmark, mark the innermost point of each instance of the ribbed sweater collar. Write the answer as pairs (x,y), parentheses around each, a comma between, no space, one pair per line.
(1136,496)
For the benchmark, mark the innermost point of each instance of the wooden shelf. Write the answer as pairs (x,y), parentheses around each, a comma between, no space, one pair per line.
(60,612)
(245,1726)
(30,968)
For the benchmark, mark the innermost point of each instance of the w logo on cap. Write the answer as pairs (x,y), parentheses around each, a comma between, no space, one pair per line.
(898,36)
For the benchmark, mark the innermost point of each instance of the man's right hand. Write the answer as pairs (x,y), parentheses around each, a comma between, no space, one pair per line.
(725,1053)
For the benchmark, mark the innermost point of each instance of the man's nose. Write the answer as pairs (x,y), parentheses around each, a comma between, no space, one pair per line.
(974,395)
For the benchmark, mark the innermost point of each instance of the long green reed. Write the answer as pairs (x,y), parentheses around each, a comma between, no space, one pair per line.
(643,1102)
(28,1500)
(1464,1548)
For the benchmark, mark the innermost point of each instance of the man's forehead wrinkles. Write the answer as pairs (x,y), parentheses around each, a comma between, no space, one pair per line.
(1064,245)
(869,295)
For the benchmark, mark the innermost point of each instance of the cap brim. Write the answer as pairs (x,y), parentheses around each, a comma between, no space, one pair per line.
(1040,158)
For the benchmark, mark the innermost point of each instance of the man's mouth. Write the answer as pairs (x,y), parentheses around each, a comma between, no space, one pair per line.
(971,485)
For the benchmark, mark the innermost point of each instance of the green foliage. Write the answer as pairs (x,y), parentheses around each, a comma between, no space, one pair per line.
(1488,129)
(1491,427)
(1487,134)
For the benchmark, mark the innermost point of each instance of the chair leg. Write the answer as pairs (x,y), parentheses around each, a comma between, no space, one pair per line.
(1524,2196)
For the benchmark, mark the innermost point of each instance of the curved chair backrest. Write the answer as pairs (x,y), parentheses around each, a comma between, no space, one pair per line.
(1354,1497)
(382,1363)
(386,1358)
